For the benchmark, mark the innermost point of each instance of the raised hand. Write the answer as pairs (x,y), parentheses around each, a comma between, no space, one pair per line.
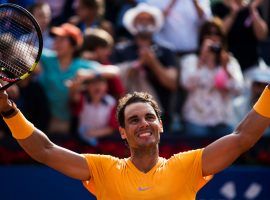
(255,4)
(5,103)
(234,6)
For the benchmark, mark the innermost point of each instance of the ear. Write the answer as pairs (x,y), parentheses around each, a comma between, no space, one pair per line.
(122,133)
(160,126)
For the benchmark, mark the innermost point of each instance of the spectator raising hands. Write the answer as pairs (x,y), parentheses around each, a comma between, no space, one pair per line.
(211,78)
(244,27)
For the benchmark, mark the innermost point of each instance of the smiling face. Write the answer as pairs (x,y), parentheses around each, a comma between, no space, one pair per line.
(142,126)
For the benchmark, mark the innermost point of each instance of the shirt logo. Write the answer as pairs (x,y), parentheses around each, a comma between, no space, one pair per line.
(143,188)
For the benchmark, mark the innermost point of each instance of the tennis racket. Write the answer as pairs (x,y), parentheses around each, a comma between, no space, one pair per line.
(20,44)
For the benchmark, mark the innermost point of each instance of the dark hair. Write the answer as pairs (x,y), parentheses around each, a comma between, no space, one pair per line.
(97,5)
(90,3)
(135,97)
(94,38)
(207,29)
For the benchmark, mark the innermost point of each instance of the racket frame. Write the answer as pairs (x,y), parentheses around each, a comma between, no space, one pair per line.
(25,12)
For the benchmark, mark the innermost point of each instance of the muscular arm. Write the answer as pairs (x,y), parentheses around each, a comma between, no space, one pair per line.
(38,145)
(40,148)
(223,152)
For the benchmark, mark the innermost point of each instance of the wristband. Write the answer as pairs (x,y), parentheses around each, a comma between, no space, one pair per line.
(19,126)
(262,106)
(12,111)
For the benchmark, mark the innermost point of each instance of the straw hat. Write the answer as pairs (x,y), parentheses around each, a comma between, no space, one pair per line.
(132,13)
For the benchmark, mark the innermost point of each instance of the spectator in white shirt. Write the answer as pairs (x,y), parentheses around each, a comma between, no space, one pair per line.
(212,78)
(183,19)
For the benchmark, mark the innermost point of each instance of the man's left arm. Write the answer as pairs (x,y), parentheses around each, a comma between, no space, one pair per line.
(223,152)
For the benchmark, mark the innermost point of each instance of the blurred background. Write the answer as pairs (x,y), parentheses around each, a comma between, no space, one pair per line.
(205,61)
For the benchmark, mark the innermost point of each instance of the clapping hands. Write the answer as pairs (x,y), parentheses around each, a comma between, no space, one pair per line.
(255,4)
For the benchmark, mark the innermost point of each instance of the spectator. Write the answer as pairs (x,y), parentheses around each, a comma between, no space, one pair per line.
(98,46)
(244,27)
(90,15)
(182,23)
(180,33)
(95,108)
(57,67)
(147,66)
(42,13)
(58,8)
(211,78)
(258,79)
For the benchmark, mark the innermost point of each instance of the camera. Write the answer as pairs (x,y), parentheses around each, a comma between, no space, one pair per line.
(215,48)
(156,50)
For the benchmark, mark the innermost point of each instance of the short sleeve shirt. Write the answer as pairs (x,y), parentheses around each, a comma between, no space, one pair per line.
(177,178)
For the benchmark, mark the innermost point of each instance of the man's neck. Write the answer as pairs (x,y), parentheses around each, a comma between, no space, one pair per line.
(144,159)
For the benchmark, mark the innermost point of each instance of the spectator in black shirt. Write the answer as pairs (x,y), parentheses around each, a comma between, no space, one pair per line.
(245,28)
(148,66)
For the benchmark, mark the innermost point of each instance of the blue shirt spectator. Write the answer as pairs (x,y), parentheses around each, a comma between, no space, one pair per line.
(53,80)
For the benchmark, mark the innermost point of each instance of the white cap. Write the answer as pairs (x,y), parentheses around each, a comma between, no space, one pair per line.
(132,13)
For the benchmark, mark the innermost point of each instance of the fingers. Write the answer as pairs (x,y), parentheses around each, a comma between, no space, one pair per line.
(2,92)
(4,102)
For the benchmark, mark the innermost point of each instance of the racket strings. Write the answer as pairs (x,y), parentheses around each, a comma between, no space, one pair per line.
(17,19)
(18,43)
(7,69)
(19,29)
(12,58)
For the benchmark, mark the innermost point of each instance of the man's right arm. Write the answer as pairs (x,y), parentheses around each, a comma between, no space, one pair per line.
(38,145)
(41,149)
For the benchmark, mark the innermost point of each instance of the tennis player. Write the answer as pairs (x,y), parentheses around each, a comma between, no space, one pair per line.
(144,175)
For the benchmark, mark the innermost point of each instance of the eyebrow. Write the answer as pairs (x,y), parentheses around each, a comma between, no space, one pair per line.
(132,117)
(136,116)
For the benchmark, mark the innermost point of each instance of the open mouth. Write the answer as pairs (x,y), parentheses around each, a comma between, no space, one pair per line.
(144,134)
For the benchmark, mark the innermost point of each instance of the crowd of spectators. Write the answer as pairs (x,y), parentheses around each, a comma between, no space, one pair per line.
(200,59)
